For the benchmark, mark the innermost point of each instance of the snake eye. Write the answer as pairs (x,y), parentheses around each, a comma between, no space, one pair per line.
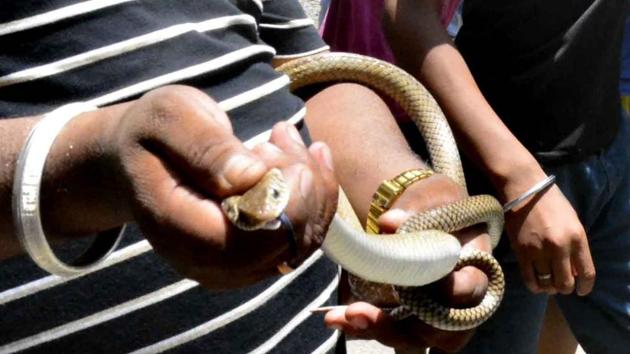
(275,193)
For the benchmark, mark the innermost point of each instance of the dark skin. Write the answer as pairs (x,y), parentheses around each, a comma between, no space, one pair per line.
(166,161)
(171,157)
(373,129)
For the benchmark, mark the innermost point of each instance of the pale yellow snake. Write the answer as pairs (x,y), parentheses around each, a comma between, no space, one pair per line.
(422,251)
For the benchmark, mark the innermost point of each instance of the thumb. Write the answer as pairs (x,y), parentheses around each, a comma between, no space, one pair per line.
(391,220)
(199,144)
(464,288)
(228,167)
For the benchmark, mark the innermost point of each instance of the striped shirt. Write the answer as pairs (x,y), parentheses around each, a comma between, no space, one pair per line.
(106,51)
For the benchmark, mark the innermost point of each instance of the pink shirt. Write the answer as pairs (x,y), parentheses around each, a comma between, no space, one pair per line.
(355,26)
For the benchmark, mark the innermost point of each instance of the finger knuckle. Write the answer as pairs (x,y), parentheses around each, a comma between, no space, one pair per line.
(589,275)
(169,104)
(529,248)
(213,154)
(554,242)
(174,94)
(576,231)
(533,287)
(566,285)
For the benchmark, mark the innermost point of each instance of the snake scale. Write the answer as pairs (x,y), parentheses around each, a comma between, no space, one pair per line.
(422,251)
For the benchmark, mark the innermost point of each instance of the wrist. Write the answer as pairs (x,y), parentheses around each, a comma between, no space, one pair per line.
(81,193)
(516,178)
(370,177)
(432,192)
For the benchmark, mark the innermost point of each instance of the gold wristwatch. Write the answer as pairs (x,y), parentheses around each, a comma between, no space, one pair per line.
(388,192)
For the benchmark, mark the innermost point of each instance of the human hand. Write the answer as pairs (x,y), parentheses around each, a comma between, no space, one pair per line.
(549,239)
(463,288)
(178,158)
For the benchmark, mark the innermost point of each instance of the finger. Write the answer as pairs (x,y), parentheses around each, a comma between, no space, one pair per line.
(287,138)
(408,335)
(364,320)
(528,274)
(475,237)
(313,190)
(330,188)
(355,317)
(270,153)
(168,202)
(583,263)
(301,182)
(544,275)
(322,155)
(197,138)
(464,288)
(317,185)
(563,279)
(392,219)
(422,195)
(169,208)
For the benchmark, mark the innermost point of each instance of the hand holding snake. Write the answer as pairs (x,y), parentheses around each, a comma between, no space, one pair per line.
(408,260)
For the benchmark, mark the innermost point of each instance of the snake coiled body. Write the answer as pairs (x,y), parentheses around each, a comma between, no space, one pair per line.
(422,251)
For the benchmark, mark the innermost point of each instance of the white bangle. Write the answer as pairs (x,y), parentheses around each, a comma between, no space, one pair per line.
(26,189)
(537,188)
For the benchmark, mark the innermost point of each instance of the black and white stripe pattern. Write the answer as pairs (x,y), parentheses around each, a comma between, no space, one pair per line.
(107,51)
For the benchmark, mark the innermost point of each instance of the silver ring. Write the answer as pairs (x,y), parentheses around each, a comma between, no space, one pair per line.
(546,276)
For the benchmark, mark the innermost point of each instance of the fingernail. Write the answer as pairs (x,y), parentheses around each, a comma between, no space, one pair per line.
(579,292)
(479,291)
(294,134)
(335,327)
(268,148)
(359,323)
(326,156)
(306,182)
(237,165)
(396,216)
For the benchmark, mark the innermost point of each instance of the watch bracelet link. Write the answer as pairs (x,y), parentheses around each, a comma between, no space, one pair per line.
(388,192)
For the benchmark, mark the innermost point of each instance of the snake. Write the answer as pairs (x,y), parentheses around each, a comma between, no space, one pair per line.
(422,250)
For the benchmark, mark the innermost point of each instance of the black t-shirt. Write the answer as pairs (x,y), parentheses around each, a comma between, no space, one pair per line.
(550,69)
(56,52)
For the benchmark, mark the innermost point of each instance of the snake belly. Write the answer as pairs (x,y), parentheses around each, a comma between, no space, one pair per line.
(423,250)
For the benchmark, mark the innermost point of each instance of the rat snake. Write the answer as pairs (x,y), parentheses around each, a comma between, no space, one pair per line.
(422,251)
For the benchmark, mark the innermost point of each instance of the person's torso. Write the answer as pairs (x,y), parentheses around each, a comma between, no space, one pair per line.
(56,52)
(549,69)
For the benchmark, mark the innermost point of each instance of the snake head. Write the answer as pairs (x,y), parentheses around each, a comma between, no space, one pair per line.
(230,208)
(261,206)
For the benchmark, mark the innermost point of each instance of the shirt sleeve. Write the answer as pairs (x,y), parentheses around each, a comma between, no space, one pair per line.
(285,26)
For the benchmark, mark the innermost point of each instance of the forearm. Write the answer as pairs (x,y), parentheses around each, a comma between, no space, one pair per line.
(423,48)
(13,133)
(79,195)
(367,145)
